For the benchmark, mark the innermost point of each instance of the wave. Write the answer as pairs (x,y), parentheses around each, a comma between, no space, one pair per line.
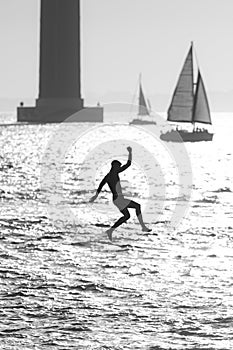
(12,295)
(160,222)
(81,244)
(212,199)
(101,225)
(79,192)
(4,167)
(222,190)
(196,307)
(76,328)
(157,347)
(179,198)
(51,236)
(15,223)
(88,286)
(5,195)
(19,195)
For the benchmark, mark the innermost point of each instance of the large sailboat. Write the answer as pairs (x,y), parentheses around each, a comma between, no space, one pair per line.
(144,109)
(189,105)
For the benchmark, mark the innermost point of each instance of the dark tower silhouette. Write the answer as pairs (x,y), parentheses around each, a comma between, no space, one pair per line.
(60,81)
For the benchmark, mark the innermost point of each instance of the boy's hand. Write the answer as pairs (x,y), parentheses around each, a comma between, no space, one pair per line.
(129,149)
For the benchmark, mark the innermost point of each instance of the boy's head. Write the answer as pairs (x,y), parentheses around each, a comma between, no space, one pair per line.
(116,164)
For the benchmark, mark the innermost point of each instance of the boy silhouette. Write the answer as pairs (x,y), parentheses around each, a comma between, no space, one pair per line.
(122,203)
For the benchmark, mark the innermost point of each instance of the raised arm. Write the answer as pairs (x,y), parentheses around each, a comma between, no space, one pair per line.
(124,167)
(101,185)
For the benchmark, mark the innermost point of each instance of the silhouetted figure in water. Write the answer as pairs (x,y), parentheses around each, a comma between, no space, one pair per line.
(122,203)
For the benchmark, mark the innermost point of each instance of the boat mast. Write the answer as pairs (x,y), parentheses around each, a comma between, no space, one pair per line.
(194,84)
(140,86)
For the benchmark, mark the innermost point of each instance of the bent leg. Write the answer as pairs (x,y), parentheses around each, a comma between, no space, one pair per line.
(122,220)
(137,207)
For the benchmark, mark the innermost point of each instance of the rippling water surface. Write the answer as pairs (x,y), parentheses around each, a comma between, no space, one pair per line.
(65,286)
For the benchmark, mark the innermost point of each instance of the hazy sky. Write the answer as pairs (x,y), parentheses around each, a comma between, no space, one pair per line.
(121,38)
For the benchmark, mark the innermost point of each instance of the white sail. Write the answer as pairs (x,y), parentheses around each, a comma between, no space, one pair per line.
(181,107)
(201,110)
(142,108)
(149,105)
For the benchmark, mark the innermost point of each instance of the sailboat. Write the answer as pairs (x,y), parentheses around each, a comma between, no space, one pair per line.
(189,104)
(144,109)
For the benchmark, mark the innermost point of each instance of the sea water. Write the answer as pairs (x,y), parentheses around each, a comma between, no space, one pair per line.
(65,286)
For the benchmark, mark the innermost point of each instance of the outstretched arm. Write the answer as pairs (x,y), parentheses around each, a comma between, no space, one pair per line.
(123,167)
(101,185)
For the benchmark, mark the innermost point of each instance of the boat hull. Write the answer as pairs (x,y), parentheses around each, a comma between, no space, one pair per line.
(185,136)
(142,122)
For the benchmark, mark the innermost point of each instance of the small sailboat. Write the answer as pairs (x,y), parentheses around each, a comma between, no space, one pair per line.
(144,109)
(189,105)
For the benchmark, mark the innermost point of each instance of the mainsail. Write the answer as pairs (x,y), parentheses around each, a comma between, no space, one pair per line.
(181,107)
(142,108)
(201,110)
